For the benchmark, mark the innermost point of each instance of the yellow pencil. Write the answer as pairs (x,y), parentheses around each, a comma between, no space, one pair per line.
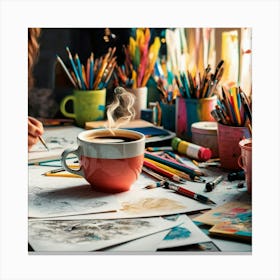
(235,105)
(84,76)
(62,174)
(170,169)
(101,70)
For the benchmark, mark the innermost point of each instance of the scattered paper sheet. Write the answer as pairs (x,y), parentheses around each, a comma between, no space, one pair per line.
(54,196)
(231,220)
(146,203)
(186,233)
(68,201)
(57,140)
(144,244)
(90,235)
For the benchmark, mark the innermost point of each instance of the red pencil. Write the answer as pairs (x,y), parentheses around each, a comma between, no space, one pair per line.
(164,172)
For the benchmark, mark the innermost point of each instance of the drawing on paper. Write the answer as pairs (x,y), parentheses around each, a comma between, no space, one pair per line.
(90,235)
(84,230)
(177,233)
(185,233)
(55,143)
(68,201)
(148,204)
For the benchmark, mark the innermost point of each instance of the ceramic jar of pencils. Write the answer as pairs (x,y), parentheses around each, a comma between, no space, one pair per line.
(191,110)
(88,105)
(90,82)
(228,143)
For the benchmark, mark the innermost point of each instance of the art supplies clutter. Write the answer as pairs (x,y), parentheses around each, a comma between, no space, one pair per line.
(191,150)
(232,220)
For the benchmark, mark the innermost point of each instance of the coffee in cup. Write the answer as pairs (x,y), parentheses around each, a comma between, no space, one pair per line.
(110,160)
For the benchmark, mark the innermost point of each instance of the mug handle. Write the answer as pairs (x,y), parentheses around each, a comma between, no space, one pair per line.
(63,104)
(64,164)
(240,162)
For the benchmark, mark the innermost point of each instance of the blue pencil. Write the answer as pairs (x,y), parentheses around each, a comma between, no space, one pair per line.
(91,74)
(74,67)
(179,166)
(80,71)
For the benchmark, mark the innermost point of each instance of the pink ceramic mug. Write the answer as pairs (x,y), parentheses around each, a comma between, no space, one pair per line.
(110,163)
(245,161)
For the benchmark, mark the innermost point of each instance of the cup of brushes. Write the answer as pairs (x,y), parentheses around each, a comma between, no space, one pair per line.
(140,57)
(198,98)
(234,117)
(89,82)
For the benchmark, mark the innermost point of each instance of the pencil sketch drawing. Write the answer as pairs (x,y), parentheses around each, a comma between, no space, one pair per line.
(68,201)
(89,235)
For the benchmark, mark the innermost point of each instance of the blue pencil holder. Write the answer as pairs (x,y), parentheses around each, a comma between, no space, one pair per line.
(168,116)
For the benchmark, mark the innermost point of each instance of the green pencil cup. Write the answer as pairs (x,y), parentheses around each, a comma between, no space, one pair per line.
(88,105)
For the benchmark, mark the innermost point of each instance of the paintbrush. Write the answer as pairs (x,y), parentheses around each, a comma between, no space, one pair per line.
(43,142)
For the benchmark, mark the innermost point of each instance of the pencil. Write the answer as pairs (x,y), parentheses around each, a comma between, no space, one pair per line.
(155,149)
(101,70)
(74,67)
(66,71)
(153,174)
(80,71)
(164,172)
(84,77)
(175,156)
(43,142)
(178,166)
(60,174)
(179,173)
(91,74)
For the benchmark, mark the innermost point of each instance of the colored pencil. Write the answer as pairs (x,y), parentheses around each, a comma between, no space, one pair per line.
(152,173)
(91,73)
(60,174)
(66,71)
(88,73)
(74,67)
(84,77)
(101,70)
(80,71)
(175,156)
(179,173)
(179,166)
(164,172)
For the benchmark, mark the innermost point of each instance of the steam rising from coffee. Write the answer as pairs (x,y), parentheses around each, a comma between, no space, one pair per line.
(121,110)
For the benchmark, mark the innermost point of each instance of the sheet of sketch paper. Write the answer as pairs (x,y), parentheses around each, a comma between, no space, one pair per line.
(90,235)
(186,233)
(57,140)
(56,197)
